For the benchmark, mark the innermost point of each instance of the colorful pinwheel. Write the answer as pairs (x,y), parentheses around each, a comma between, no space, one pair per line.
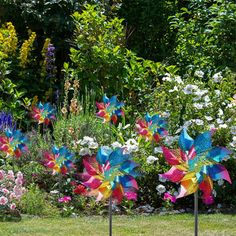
(152,128)
(13,143)
(110,109)
(43,113)
(195,165)
(110,173)
(60,160)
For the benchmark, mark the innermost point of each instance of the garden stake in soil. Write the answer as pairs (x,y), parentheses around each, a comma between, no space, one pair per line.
(196,213)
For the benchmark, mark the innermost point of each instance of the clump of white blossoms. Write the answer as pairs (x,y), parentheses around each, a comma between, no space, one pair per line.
(190,88)
(131,145)
(116,145)
(217,77)
(88,146)
(199,73)
(152,159)
(160,188)
(85,152)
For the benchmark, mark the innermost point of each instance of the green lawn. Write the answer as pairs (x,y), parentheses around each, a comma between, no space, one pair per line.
(209,225)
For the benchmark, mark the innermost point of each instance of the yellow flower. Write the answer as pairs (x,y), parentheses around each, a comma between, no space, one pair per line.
(25,49)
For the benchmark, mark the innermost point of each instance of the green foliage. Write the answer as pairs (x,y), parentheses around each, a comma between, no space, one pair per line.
(102,63)
(205,35)
(34,202)
(147,29)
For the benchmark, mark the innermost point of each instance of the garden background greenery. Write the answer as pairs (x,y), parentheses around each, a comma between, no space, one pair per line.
(176,58)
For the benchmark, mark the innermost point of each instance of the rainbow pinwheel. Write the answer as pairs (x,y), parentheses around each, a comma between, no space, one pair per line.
(13,143)
(43,113)
(196,164)
(152,127)
(60,160)
(110,173)
(110,109)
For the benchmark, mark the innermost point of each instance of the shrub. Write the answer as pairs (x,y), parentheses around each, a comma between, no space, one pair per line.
(205,35)
(35,202)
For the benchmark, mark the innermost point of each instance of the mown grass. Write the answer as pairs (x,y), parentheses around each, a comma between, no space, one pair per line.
(171,225)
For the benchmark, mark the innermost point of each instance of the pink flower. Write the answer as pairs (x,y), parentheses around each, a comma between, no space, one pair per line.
(208,200)
(64,199)
(13,206)
(12,196)
(10,175)
(131,196)
(18,182)
(2,174)
(170,197)
(19,175)
(18,191)
(3,200)
(5,191)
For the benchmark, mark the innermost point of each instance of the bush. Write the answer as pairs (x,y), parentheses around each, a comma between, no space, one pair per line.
(205,35)
(35,202)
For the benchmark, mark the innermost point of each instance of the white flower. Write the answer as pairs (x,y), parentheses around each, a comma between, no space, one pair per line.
(233,130)
(167,77)
(189,88)
(54,192)
(211,126)
(198,105)
(131,145)
(130,148)
(93,145)
(214,192)
(233,143)
(127,126)
(166,114)
(219,205)
(223,126)
(219,121)
(221,113)
(131,141)
(169,140)
(178,80)
(157,150)
(220,182)
(86,140)
(207,104)
(199,122)
(85,151)
(217,92)
(151,159)
(207,98)
(199,73)
(161,188)
(116,145)
(200,93)
(217,77)
(208,118)
(161,179)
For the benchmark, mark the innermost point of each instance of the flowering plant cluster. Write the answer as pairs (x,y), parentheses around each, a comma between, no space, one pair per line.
(201,102)
(11,189)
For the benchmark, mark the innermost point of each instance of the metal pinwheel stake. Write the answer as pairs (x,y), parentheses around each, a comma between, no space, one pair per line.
(195,164)
(196,213)
(110,216)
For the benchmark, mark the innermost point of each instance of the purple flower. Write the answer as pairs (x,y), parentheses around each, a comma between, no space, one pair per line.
(6,121)
(50,61)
